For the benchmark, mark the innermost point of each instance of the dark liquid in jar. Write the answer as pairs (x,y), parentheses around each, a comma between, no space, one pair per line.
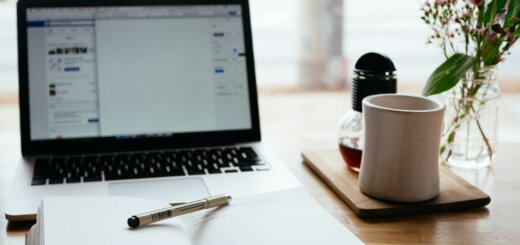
(351,156)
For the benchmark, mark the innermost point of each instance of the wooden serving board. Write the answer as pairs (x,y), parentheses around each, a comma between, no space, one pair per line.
(455,192)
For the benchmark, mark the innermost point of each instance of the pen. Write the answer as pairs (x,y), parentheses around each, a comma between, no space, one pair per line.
(165,213)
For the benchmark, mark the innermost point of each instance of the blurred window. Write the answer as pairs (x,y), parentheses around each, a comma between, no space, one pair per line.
(8,47)
(390,27)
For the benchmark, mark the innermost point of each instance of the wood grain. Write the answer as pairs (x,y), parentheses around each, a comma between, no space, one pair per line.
(455,194)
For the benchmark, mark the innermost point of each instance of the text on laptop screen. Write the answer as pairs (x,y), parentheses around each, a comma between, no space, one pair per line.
(136,71)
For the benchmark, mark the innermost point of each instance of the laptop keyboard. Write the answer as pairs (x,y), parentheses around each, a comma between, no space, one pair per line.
(107,167)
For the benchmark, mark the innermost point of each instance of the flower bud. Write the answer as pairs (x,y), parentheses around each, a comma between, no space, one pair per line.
(497,28)
(491,35)
(510,38)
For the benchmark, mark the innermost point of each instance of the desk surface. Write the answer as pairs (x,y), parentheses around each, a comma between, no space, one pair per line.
(296,122)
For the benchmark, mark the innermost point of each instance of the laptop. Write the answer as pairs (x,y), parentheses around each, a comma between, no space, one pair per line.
(153,99)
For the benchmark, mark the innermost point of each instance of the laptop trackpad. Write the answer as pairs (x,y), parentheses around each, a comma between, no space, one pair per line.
(169,190)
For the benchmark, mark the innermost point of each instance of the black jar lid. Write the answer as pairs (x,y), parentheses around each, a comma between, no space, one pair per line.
(373,74)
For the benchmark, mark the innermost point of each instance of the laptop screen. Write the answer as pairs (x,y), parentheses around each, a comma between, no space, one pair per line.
(138,71)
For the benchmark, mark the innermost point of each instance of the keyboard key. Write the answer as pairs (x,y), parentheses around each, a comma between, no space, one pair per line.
(92,178)
(246,169)
(73,180)
(196,172)
(214,171)
(55,181)
(175,172)
(115,174)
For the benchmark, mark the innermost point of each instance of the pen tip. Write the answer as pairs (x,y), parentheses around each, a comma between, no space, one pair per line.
(133,222)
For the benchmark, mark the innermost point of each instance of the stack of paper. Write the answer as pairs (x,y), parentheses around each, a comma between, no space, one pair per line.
(284,217)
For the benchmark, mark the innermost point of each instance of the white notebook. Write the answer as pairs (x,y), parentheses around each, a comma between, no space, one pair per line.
(283,217)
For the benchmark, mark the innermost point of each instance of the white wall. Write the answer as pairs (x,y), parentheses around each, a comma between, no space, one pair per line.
(8,47)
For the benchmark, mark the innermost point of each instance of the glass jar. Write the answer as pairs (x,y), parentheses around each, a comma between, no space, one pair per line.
(470,126)
(350,137)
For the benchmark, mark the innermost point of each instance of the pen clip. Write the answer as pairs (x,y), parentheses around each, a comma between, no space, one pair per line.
(173,204)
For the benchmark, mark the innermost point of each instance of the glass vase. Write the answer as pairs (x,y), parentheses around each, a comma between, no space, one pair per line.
(470,126)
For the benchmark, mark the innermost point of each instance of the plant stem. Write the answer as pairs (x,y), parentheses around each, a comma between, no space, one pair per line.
(463,105)
(488,145)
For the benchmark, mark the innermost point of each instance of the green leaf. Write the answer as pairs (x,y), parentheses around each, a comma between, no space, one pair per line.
(491,11)
(448,74)
(490,50)
(513,10)
(451,137)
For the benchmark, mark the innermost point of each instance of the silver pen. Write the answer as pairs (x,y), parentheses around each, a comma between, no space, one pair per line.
(169,212)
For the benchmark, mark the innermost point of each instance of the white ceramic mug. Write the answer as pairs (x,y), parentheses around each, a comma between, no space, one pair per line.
(400,159)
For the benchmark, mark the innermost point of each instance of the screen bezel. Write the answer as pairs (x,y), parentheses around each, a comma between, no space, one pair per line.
(112,144)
